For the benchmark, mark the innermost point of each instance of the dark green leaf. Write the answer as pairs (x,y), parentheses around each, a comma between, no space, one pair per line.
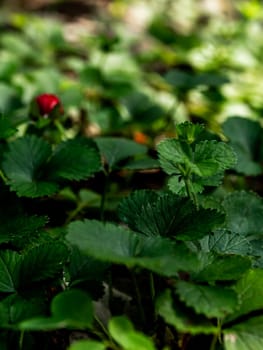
(115,149)
(23,165)
(244,213)
(246,137)
(10,265)
(43,262)
(75,159)
(165,214)
(122,246)
(226,242)
(221,267)
(87,345)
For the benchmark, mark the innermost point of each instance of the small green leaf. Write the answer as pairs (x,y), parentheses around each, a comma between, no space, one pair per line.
(244,213)
(75,159)
(69,309)
(122,331)
(115,149)
(189,132)
(183,319)
(211,301)
(245,335)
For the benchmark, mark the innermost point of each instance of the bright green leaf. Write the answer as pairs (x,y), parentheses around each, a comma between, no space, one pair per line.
(247,335)
(69,309)
(122,331)
(211,301)
(183,319)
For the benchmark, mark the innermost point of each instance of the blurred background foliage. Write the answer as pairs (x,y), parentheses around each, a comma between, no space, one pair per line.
(133,68)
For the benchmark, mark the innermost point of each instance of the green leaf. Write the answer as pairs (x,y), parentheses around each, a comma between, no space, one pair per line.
(115,149)
(10,264)
(87,345)
(75,159)
(42,262)
(221,267)
(6,128)
(244,213)
(69,309)
(246,137)
(183,319)
(211,301)
(245,336)
(171,154)
(23,165)
(165,214)
(122,331)
(189,132)
(226,242)
(122,246)
(250,293)
(212,157)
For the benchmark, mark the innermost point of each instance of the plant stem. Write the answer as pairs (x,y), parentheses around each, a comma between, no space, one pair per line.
(139,299)
(190,193)
(103,195)
(21,340)
(213,343)
(152,286)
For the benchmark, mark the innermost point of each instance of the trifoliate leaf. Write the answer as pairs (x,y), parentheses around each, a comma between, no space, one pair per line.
(115,149)
(245,335)
(123,332)
(23,166)
(250,293)
(165,214)
(75,159)
(182,318)
(70,309)
(226,242)
(244,213)
(123,246)
(211,301)
(246,137)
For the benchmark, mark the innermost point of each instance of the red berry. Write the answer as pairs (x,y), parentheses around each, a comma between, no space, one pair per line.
(46,103)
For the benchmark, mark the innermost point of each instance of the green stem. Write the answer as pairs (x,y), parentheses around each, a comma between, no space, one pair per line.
(21,340)
(213,343)
(2,176)
(152,286)
(103,195)
(190,193)
(60,129)
(139,299)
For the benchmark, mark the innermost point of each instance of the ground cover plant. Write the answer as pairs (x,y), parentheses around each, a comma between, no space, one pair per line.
(131,211)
